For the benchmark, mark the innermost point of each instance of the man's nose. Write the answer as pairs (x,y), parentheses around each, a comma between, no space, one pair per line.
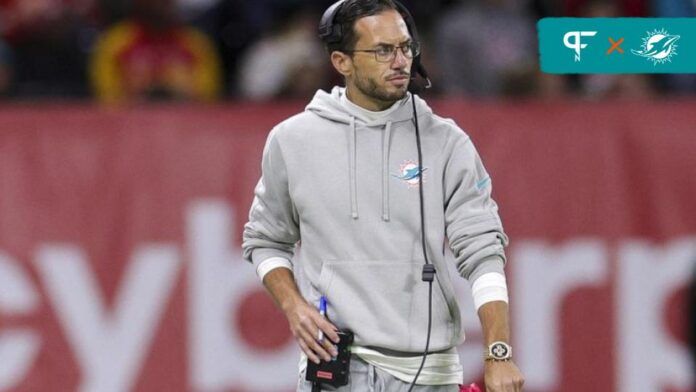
(400,60)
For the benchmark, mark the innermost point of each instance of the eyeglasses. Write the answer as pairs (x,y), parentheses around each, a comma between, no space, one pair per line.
(387,53)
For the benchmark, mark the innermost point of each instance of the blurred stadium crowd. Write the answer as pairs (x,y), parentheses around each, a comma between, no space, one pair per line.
(206,50)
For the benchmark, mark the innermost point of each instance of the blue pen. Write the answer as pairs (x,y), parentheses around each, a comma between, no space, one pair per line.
(322,312)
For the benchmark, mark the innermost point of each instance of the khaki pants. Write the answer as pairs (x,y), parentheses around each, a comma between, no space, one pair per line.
(367,378)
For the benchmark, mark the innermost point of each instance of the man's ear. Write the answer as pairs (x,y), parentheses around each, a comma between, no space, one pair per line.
(342,62)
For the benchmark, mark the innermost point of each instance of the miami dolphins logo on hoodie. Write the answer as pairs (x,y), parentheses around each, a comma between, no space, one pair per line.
(409,173)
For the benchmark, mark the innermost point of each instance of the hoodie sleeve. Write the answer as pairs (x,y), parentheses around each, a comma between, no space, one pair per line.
(473,226)
(272,230)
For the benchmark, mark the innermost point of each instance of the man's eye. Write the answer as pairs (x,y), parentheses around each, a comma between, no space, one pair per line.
(384,50)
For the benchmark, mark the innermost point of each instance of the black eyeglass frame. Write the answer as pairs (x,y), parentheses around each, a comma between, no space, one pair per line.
(412,47)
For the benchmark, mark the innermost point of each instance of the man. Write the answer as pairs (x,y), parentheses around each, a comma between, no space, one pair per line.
(342,178)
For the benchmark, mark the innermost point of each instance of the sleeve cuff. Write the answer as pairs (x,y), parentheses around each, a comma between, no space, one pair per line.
(272,263)
(489,287)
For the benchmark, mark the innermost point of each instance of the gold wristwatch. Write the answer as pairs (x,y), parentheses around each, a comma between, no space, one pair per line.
(498,352)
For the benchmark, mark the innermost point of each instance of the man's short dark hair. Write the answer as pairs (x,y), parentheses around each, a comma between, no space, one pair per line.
(350,12)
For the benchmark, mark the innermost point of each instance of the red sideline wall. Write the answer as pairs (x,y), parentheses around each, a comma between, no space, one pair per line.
(120,233)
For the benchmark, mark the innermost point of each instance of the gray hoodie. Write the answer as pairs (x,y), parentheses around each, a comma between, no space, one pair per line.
(348,189)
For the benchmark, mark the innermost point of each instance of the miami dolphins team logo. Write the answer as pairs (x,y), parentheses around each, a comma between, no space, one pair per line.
(409,173)
(659,47)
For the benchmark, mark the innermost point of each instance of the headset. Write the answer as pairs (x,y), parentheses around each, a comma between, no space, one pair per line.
(331,32)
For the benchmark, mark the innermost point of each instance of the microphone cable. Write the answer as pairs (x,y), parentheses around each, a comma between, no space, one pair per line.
(428,273)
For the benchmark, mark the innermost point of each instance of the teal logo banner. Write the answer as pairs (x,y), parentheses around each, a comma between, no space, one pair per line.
(617,45)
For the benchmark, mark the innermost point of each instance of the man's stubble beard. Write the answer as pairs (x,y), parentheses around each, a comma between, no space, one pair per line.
(369,87)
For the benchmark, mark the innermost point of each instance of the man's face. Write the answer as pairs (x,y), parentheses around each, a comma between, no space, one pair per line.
(383,81)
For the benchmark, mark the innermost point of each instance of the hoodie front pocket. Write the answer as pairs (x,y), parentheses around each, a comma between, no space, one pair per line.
(385,303)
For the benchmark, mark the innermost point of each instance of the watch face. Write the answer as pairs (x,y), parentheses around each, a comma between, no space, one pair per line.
(500,351)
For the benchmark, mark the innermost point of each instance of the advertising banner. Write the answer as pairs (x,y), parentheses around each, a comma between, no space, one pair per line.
(121,269)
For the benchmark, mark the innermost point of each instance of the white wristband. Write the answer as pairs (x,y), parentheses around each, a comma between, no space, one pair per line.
(272,263)
(488,288)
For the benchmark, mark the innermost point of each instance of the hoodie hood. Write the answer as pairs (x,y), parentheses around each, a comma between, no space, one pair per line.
(332,107)
(329,106)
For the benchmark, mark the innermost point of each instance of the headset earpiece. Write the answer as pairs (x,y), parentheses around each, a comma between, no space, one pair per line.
(330,32)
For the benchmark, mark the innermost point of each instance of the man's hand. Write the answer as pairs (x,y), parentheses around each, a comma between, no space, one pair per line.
(305,320)
(305,323)
(500,376)
(503,377)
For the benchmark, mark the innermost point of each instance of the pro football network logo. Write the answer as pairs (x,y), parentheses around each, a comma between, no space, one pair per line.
(659,47)
(409,173)
(573,40)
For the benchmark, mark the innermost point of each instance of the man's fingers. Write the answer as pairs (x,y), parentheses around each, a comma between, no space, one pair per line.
(330,331)
(519,382)
(511,385)
(503,377)
(312,346)
(329,335)
(501,386)
(310,355)
(310,339)
(307,326)
(329,347)
(320,350)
